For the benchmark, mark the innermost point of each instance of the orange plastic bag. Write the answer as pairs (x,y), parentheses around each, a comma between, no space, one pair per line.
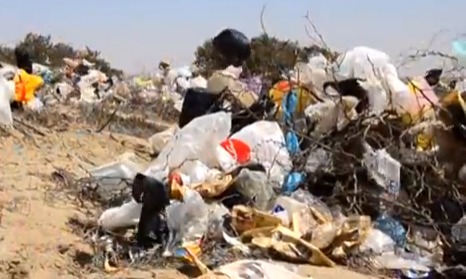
(26,86)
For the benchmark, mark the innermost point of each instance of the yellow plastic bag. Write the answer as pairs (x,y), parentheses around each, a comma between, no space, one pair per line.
(26,86)
(281,88)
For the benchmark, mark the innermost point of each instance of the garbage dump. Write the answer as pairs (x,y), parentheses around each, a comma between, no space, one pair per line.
(339,163)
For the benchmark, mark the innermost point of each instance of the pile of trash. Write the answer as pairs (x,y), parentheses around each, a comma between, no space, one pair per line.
(341,162)
(78,92)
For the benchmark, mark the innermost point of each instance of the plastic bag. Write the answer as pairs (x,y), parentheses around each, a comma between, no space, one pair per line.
(330,114)
(199,82)
(254,186)
(188,220)
(160,139)
(268,147)
(232,153)
(182,84)
(233,45)
(6,96)
(392,228)
(34,104)
(421,99)
(377,242)
(394,262)
(197,102)
(256,269)
(184,72)
(197,172)
(361,62)
(312,74)
(458,231)
(26,86)
(292,181)
(122,216)
(312,201)
(63,89)
(383,169)
(319,158)
(112,174)
(192,142)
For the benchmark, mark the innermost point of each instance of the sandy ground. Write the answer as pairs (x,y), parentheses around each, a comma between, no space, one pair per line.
(35,240)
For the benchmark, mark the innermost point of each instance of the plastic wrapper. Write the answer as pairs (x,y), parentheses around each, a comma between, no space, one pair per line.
(197,172)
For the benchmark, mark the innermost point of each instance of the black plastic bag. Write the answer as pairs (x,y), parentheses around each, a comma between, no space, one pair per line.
(155,197)
(197,102)
(81,70)
(23,59)
(233,45)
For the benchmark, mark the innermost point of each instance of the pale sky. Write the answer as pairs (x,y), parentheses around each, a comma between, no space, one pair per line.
(135,35)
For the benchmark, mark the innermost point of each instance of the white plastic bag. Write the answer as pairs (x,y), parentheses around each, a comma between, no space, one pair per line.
(197,172)
(7,94)
(361,62)
(383,169)
(63,89)
(199,82)
(377,242)
(35,104)
(195,141)
(267,144)
(122,216)
(158,140)
(39,69)
(188,220)
(313,74)
(111,174)
(257,269)
(374,65)
(332,114)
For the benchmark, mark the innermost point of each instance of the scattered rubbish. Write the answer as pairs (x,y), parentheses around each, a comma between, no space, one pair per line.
(338,162)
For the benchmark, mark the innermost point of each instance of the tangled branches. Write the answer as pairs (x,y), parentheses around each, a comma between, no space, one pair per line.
(426,197)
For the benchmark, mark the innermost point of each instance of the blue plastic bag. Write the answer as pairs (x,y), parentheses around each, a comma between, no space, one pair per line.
(292,143)
(289,104)
(292,182)
(392,228)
